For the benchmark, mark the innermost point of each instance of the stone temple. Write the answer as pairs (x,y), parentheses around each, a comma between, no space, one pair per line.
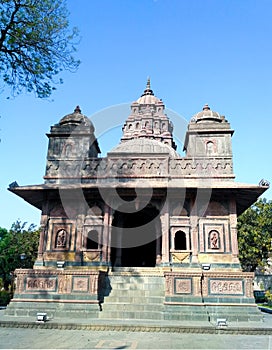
(143,233)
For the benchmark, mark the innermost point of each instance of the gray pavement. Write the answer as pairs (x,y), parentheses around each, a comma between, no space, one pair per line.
(25,333)
(21,338)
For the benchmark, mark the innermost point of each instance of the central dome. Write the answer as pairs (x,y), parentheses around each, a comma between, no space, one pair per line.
(144,146)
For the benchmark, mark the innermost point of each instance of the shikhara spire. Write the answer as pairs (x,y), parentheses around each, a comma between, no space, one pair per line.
(148,120)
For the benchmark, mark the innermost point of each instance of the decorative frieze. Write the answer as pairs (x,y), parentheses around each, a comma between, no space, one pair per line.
(201,167)
(138,167)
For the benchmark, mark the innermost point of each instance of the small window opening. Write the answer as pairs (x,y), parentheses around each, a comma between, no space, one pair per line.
(92,240)
(180,241)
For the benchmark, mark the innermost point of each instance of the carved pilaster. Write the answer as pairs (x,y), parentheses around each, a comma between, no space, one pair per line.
(79,229)
(158,243)
(105,238)
(110,218)
(194,227)
(233,229)
(44,227)
(165,232)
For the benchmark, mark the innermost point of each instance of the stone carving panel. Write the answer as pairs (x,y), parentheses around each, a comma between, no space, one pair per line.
(39,284)
(91,256)
(80,284)
(64,284)
(226,287)
(183,286)
(168,285)
(55,256)
(180,257)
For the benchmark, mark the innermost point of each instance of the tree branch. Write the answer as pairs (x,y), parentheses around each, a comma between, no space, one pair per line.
(4,32)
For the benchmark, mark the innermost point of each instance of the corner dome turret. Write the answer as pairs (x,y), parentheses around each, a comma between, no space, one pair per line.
(76,118)
(207,115)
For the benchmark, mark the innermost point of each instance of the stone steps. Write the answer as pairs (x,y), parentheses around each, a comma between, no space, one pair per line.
(138,296)
(53,310)
(112,306)
(125,299)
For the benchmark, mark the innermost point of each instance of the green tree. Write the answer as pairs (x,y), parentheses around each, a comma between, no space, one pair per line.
(3,232)
(18,249)
(255,235)
(35,44)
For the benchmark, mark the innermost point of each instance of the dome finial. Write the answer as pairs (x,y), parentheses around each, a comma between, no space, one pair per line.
(148,90)
(206,107)
(77,109)
(148,83)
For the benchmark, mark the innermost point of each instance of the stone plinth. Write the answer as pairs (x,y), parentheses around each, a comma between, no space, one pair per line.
(210,295)
(76,291)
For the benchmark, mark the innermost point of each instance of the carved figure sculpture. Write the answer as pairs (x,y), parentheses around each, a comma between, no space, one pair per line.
(61,239)
(214,240)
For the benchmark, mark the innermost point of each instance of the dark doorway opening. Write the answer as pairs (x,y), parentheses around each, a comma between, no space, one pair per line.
(136,237)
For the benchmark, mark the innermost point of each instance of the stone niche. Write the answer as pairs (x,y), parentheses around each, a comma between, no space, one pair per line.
(92,237)
(180,240)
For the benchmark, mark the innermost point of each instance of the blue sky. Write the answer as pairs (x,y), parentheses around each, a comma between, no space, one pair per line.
(199,51)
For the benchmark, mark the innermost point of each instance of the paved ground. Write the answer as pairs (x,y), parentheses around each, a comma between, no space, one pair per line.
(20,338)
(33,336)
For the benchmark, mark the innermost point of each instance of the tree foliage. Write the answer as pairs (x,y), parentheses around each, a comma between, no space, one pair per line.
(35,44)
(255,235)
(17,243)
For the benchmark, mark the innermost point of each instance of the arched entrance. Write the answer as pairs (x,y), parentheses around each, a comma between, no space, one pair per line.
(135,237)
